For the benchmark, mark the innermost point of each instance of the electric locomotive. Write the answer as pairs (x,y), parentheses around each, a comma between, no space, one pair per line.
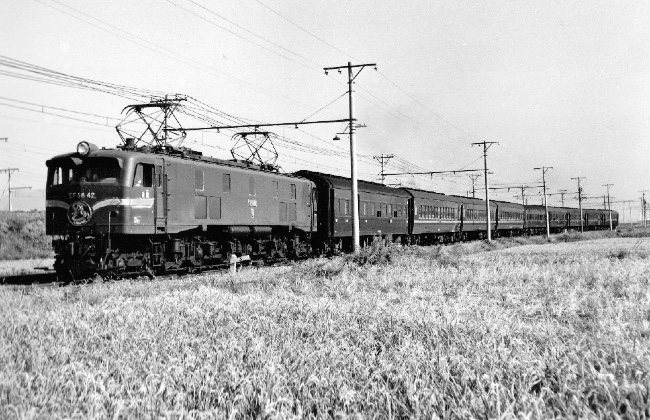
(134,211)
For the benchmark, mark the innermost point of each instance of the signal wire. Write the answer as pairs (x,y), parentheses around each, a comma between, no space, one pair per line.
(247,31)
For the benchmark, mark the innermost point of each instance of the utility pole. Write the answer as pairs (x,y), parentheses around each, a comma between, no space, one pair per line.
(473,178)
(582,220)
(623,202)
(609,206)
(9,172)
(486,146)
(544,169)
(383,160)
(354,193)
(523,195)
(562,192)
(643,207)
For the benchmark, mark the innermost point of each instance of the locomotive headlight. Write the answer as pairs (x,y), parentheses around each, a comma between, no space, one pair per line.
(83,148)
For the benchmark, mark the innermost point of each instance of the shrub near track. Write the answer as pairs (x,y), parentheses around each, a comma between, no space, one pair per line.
(22,235)
(470,330)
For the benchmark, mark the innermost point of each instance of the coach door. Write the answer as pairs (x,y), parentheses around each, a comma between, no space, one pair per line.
(160,202)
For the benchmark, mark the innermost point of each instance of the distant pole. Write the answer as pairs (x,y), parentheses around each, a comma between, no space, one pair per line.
(354,193)
(609,206)
(630,212)
(562,192)
(383,160)
(582,226)
(523,195)
(643,207)
(9,172)
(544,169)
(486,146)
(473,178)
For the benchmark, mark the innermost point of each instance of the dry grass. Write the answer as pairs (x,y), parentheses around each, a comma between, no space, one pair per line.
(471,330)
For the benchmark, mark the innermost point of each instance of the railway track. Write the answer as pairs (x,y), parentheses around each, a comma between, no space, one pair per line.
(49,278)
(42,279)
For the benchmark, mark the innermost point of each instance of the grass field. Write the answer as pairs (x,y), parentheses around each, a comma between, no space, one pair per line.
(471,330)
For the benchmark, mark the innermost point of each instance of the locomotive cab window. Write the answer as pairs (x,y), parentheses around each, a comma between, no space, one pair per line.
(100,170)
(58,175)
(143,176)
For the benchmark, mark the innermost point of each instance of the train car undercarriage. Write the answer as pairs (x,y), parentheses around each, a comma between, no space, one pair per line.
(81,257)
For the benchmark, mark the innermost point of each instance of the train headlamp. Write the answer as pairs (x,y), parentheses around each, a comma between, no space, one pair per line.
(83,148)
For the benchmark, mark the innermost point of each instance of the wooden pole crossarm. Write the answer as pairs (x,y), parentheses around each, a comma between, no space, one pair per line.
(227,127)
(434,172)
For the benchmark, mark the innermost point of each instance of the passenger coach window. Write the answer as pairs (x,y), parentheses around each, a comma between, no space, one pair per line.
(293,191)
(143,175)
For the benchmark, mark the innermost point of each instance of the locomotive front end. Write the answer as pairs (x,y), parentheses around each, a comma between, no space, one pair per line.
(82,194)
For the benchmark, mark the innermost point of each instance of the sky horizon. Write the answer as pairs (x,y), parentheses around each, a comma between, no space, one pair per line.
(557,84)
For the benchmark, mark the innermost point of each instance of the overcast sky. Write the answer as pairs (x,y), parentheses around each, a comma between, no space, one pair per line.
(556,83)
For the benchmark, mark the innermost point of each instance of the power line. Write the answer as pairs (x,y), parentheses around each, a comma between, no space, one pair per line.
(306,31)
(58,109)
(249,32)
(51,113)
(166,52)
(241,37)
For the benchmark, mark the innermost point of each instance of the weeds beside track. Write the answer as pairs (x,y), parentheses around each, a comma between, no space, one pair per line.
(468,330)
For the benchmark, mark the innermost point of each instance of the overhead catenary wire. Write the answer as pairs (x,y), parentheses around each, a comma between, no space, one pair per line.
(166,52)
(104,23)
(188,113)
(42,106)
